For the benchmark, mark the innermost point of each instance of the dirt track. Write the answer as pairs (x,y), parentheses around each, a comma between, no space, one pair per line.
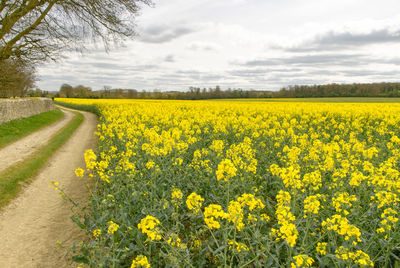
(38,219)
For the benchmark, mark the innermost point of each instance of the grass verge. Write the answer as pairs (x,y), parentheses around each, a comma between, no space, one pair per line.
(16,129)
(88,108)
(11,178)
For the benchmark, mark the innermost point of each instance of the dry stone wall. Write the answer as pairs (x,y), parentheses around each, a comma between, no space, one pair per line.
(11,109)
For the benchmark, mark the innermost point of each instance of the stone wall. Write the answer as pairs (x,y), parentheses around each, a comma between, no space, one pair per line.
(11,109)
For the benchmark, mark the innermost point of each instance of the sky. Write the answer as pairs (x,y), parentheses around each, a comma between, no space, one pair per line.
(248,44)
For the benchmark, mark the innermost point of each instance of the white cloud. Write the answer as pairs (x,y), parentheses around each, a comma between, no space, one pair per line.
(245,44)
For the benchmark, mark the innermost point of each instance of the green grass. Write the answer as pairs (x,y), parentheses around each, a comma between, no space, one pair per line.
(11,178)
(88,108)
(16,129)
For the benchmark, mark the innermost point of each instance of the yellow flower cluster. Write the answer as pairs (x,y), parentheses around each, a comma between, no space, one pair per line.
(226,170)
(217,146)
(194,202)
(388,221)
(140,261)
(112,227)
(321,248)
(250,201)
(90,159)
(96,233)
(343,200)
(243,156)
(148,225)
(386,198)
(312,205)
(79,172)
(176,197)
(239,247)
(359,257)
(235,213)
(174,241)
(302,261)
(212,213)
(341,225)
(330,171)
(287,229)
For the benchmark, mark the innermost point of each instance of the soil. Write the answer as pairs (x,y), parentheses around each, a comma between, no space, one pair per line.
(22,148)
(35,228)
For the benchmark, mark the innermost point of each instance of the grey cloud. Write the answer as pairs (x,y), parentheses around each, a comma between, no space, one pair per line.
(108,66)
(370,73)
(169,58)
(187,72)
(319,72)
(192,76)
(51,77)
(312,60)
(249,72)
(196,46)
(394,61)
(342,40)
(163,33)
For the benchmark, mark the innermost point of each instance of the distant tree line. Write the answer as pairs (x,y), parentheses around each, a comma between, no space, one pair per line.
(340,90)
(21,84)
(196,93)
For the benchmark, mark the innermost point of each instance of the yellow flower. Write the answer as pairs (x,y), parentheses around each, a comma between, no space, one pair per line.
(150,164)
(217,146)
(285,218)
(211,214)
(235,214)
(177,194)
(176,197)
(341,225)
(302,261)
(250,201)
(194,202)
(239,247)
(97,233)
(90,159)
(226,170)
(174,241)
(197,243)
(265,217)
(140,261)
(321,248)
(79,172)
(312,204)
(148,225)
(112,227)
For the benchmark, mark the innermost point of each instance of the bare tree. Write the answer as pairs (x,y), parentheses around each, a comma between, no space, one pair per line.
(36,30)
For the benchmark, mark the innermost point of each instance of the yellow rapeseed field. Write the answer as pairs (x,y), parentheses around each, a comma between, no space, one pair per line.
(243,184)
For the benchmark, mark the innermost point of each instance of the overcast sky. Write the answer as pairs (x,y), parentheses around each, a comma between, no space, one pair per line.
(249,44)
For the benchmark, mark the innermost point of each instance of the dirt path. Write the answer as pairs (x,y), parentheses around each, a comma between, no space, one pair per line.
(22,148)
(38,219)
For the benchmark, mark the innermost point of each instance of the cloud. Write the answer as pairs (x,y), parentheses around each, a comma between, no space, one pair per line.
(158,34)
(107,65)
(370,73)
(327,59)
(261,72)
(344,40)
(169,58)
(206,46)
